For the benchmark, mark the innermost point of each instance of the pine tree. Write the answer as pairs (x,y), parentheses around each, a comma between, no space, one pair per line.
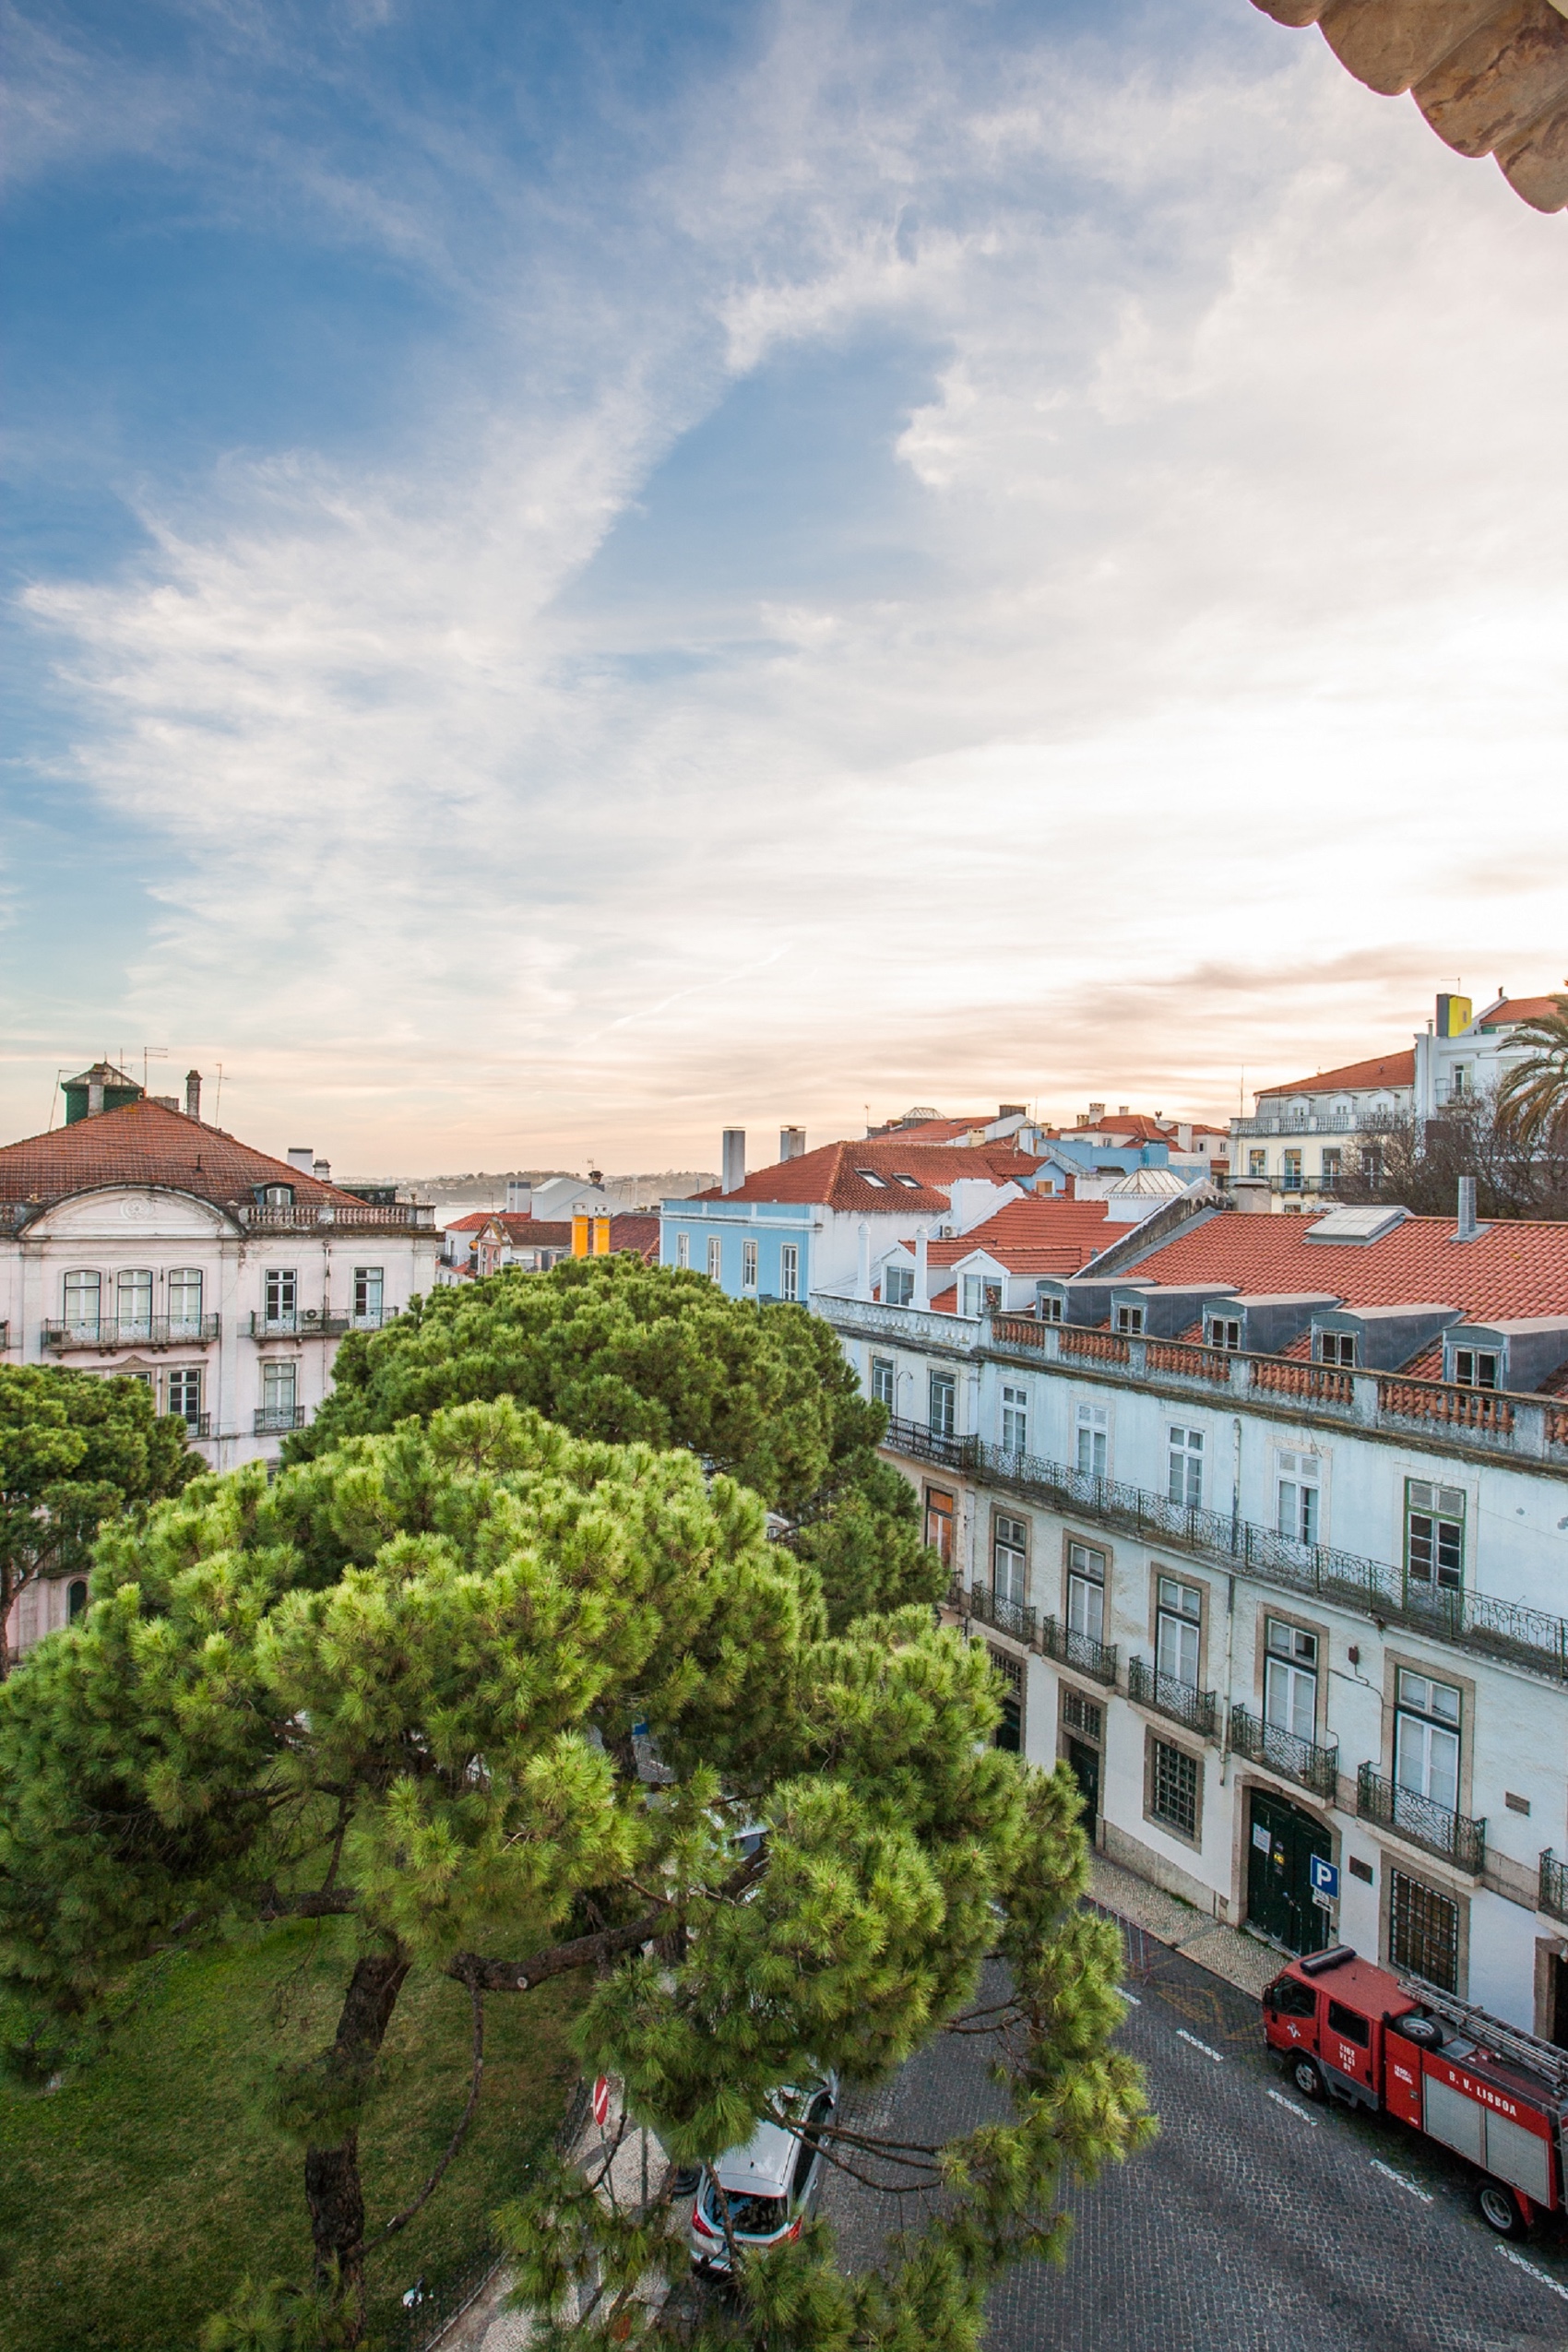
(402,1686)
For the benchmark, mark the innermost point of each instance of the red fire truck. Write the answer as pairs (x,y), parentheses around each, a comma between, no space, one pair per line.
(1353,2031)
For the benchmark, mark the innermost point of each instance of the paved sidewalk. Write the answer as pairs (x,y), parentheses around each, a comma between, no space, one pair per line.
(1242,1960)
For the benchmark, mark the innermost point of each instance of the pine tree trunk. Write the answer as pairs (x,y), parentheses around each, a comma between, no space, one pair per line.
(333,2191)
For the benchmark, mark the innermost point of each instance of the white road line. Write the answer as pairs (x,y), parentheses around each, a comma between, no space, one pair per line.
(1183,2036)
(1544,2276)
(1280,2100)
(1129,1996)
(1403,2179)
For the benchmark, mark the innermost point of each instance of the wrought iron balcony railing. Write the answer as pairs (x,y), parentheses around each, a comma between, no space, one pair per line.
(1553,1895)
(195,1424)
(930,1446)
(271,1420)
(1198,1710)
(1097,1659)
(132,1331)
(1410,1815)
(1010,1617)
(1282,1751)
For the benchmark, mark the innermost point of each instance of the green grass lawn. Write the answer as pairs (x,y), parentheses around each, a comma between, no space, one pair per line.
(135,2198)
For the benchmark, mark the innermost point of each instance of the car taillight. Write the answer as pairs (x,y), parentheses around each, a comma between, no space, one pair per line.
(704,2225)
(790,2234)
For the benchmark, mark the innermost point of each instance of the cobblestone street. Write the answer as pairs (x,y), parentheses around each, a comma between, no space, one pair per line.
(1254,2223)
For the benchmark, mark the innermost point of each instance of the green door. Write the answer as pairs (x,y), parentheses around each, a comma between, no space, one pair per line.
(1082,1762)
(1281,1842)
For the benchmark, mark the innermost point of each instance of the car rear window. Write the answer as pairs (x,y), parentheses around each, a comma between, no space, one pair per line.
(749,2217)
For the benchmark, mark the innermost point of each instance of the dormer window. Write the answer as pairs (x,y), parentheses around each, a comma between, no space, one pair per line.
(897,1286)
(1051,1309)
(1224,1331)
(277,1196)
(1130,1322)
(1476,1368)
(1337,1348)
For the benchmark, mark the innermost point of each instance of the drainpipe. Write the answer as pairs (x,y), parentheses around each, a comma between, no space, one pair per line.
(862,1276)
(923,1269)
(1231,1626)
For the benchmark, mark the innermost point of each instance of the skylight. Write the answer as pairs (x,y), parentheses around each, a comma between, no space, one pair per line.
(1369,1224)
(913,1183)
(870,1176)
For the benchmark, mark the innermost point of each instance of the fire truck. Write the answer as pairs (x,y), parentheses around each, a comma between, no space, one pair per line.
(1349,2030)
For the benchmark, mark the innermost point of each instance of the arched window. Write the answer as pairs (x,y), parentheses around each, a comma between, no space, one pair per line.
(76,1597)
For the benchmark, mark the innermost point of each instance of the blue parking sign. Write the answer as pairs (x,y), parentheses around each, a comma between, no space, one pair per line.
(1325,1878)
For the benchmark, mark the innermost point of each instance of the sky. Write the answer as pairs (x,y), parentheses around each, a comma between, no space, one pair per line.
(584,574)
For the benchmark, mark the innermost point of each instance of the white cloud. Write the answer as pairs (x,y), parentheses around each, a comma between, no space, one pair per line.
(1221,630)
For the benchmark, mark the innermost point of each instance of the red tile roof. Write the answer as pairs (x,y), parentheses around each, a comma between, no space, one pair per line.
(1383,1070)
(535,1233)
(472,1223)
(1024,1234)
(633,1231)
(830,1175)
(1136,1126)
(1520,1008)
(142,1143)
(1511,1268)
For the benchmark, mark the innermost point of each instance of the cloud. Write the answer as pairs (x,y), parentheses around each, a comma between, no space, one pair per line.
(1126,707)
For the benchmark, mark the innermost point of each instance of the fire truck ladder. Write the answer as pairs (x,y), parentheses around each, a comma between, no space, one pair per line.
(1510,2042)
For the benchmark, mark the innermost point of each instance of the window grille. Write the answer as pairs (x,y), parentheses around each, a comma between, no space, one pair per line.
(1173,1787)
(1080,1713)
(1424,1931)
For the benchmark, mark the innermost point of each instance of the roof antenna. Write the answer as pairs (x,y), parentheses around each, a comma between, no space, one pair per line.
(218,1104)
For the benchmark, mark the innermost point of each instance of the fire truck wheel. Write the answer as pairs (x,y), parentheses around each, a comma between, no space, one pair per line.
(1304,2074)
(1500,2211)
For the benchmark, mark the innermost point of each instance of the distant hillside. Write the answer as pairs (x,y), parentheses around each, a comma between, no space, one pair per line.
(454,1193)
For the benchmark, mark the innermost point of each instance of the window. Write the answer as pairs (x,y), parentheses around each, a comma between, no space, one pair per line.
(1049,1308)
(1290,1170)
(1344,2021)
(982,1296)
(1094,1440)
(1289,1999)
(184,1393)
(910,1183)
(870,1176)
(943,1404)
(132,1303)
(1224,1331)
(1080,1713)
(1434,1533)
(278,1195)
(748,1265)
(883,1379)
(185,1298)
(1299,1489)
(898,1285)
(1009,1558)
(1336,1347)
(1085,1591)
(1476,1368)
(83,1292)
(715,1257)
(1173,1787)
(790,1270)
(1333,1162)
(682,1249)
(282,1297)
(1186,1458)
(939,1524)
(1129,1320)
(76,1598)
(1257,1163)
(1289,1679)
(1426,1739)
(1424,1931)
(1015,1420)
(369,1289)
(1176,1622)
(278,1383)
(1009,1733)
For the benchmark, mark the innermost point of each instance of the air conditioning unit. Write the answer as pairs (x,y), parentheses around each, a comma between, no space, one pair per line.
(311,1314)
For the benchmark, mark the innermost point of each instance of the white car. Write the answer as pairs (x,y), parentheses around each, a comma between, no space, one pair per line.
(769,2184)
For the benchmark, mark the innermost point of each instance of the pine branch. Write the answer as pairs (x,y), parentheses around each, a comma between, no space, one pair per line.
(583,1951)
(400,2221)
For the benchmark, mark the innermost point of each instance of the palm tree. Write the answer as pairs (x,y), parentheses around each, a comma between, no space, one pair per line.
(1532,1100)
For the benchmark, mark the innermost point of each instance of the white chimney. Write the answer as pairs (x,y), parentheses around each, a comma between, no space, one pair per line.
(1467,1228)
(520,1197)
(192,1094)
(863,1272)
(791,1142)
(923,1268)
(322,1170)
(301,1159)
(734,1160)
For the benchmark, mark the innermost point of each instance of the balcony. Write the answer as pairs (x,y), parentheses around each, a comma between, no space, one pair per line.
(274,1420)
(1279,1750)
(131,1331)
(925,1444)
(1080,1651)
(310,1216)
(1322,1123)
(195,1425)
(1420,1821)
(1009,1617)
(1196,1710)
(1552,1896)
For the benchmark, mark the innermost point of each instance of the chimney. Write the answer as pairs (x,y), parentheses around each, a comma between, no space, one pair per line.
(1466,1229)
(301,1159)
(1097,1112)
(1122,1109)
(520,1197)
(734,1160)
(862,1270)
(192,1094)
(322,1170)
(791,1142)
(923,1268)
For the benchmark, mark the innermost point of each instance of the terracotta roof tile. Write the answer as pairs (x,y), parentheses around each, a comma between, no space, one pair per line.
(142,1143)
(1383,1070)
(832,1176)
(1520,1008)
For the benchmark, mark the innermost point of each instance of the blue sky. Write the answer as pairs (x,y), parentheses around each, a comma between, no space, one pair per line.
(581,574)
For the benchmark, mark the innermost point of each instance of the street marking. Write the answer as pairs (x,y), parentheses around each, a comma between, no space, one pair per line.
(1545,2276)
(1280,2100)
(1183,2036)
(1133,1997)
(1403,2179)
